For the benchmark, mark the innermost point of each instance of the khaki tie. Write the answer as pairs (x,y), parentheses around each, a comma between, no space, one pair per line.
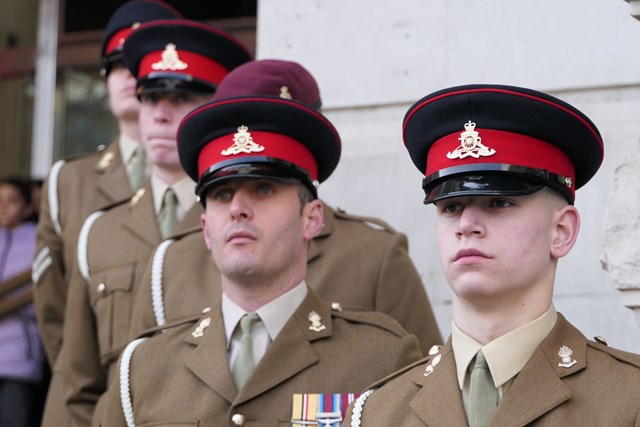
(244,364)
(168,219)
(138,168)
(483,395)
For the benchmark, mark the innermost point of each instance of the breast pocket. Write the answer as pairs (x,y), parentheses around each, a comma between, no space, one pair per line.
(112,300)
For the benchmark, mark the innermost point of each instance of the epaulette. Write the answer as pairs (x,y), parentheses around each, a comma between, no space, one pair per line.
(187,232)
(402,371)
(375,222)
(623,356)
(82,156)
(373,318)
(173,324)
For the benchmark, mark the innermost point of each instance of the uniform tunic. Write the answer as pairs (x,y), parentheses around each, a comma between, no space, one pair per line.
(600,389)
(361,264)
(112,254)
(182,376)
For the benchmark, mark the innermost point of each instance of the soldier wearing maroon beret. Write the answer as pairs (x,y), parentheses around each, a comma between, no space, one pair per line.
(178,65)
(78,186)
(501,166)
(359,263)
(268,350)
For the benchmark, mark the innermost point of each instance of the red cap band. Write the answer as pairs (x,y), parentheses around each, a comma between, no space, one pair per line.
(198,66)
(510,148)
(274,145)
(117,40)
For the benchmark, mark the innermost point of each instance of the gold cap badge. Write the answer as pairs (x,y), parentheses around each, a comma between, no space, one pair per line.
(242,143)
(170,60)
(470,144)
(284,93)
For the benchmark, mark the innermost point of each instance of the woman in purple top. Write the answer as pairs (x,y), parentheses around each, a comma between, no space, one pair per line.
(21,354)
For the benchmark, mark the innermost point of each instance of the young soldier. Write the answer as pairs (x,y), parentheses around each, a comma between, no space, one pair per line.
(258,161)
(178,65)
(77,187)
(501,165)
(359,263)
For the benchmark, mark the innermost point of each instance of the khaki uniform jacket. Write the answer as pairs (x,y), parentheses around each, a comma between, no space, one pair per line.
(113,252)
(180,377)
(352,263)
(74,189)
(600,389)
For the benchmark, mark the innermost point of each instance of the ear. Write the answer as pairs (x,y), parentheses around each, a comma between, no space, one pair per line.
(565,231)
(203,223)
(312,219)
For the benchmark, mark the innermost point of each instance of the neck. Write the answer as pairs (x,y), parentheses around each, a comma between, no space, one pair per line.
(130,128)
(251,293)
(486,319)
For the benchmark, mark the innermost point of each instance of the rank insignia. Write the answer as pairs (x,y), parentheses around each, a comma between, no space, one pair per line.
(284,93)
(322,410)
(566,361)
(242,143)
(170,60)
(315,319)
(105,160)
(470,144)
(199,330)
(136,197)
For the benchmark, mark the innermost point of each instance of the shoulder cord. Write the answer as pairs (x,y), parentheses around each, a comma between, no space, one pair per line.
(157,268)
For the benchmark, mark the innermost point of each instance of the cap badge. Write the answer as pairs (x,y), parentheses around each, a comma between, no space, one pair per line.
(566,360)
(199,330)
(170,60)
(284,93)
(316,325)
(105,160)
(470,144)
(242,143)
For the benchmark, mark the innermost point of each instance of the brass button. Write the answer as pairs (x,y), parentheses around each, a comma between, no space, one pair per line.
(101,288)
(238,419)
(336,306)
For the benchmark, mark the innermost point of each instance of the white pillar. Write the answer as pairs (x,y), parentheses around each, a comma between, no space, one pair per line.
(45,88)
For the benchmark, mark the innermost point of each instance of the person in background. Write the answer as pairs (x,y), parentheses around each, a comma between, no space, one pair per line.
(501,166)
(78,186)
(21,352)
(358,263)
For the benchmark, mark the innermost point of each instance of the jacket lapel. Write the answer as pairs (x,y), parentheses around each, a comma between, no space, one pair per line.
(293,344)
(190,221)
(113,183)
(539,388)
(439,402)
(209,360)
(141,218)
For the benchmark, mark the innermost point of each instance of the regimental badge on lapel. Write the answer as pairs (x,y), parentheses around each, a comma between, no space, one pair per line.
(322,410)
(105,160)
(199,330)
(136,197)
(470,144)
(316,324)
(284,93)
(566,361)
(434,362)
(170,60)
(242,143)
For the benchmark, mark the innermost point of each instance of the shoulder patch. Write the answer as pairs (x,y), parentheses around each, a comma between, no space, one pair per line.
(373,318)
(369,220)
(622,356)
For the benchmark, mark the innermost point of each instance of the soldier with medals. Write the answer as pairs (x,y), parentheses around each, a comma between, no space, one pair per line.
(178,65)
(77,187)
(356,262)
(268,351)
(501,167)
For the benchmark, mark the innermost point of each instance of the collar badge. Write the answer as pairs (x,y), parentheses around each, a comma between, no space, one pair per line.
(136,197)
(242,143)
(316,325)
(105,160)
(470,144)
(170,60)
(566,360)
(199,330)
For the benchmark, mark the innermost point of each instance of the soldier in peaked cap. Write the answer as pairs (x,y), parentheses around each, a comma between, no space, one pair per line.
(501,166)
(178,65)
(76,187)
(350,262)
(268,351)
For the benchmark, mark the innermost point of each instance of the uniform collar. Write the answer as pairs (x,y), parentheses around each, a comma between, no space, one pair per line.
(127,147)
(506,355)
(275,314)
(184,190)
